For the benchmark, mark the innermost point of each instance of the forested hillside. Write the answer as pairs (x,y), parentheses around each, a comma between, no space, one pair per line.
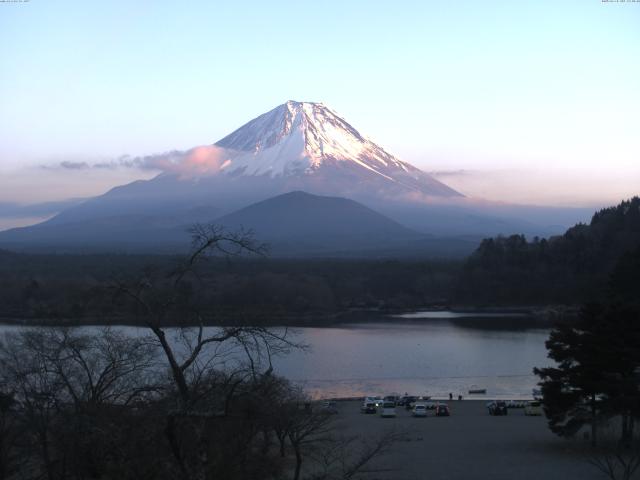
(570,268)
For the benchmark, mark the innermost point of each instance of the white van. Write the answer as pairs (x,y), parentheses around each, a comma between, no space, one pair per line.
(419,410)
(388,409)
(533,408)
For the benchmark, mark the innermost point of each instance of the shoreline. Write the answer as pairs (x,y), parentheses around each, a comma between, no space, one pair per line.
(507,398)
(542,316)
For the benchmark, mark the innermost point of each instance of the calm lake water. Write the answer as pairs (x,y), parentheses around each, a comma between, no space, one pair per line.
(433,356)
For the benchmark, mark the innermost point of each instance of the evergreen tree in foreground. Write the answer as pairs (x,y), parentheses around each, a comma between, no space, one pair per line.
(597,377)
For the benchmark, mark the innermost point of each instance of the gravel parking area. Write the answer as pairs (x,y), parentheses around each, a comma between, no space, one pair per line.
(470,444)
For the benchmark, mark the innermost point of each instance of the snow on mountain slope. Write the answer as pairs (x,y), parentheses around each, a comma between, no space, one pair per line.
(303,139)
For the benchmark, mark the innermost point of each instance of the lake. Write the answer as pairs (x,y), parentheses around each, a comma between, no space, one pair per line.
(432,355)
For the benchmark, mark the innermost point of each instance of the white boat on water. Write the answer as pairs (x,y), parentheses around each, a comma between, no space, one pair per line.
(474,390)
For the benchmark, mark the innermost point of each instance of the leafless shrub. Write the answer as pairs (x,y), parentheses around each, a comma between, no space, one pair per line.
(616,459)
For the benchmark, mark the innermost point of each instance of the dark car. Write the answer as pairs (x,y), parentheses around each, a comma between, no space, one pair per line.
(442,410)
(498,408)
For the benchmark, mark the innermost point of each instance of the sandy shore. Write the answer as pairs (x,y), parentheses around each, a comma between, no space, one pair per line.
(470,444)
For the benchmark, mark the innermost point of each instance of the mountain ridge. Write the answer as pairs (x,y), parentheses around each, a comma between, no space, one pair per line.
(320,223)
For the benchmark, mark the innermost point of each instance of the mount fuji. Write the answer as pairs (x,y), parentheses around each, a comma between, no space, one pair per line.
(296,147)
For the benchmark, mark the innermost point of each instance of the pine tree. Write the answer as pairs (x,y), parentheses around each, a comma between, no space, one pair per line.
(596,377)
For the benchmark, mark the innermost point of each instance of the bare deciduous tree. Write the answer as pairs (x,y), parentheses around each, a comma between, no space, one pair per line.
(348,457)
(63,379)
(170,300)
(10,433)
(210,367)
(616,458)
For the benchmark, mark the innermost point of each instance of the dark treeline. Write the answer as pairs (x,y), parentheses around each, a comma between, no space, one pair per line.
(75,287)
(566,269)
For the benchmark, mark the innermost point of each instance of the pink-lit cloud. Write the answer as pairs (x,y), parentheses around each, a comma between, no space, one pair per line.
(202,160)
(206,159)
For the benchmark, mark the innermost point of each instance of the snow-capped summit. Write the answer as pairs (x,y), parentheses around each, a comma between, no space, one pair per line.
(300,139)
(298,134)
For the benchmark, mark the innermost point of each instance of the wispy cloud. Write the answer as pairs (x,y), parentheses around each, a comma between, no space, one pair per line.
(451,173)
(74,165)
(202,160)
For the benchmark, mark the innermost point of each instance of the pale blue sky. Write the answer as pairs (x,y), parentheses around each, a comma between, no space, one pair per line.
(498,87)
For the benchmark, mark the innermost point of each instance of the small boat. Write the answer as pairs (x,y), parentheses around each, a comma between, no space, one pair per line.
(477,391)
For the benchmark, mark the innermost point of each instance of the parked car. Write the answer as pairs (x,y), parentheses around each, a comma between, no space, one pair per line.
(497,408)
(329,407)
(431,405)
(391,398)
(419,410)
(376,400)
(442,410)
(368,407)
(533,408)
(388,409)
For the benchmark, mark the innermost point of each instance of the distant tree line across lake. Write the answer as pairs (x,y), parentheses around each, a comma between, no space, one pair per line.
(503,271)
(78,287)
(566,269)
